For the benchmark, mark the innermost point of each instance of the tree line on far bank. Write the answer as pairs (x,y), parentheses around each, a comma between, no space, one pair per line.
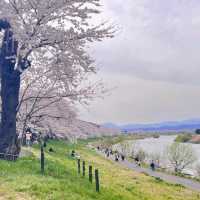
(189,137)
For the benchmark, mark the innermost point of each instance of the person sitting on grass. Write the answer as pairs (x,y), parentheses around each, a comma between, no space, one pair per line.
(51,150)
(73,154)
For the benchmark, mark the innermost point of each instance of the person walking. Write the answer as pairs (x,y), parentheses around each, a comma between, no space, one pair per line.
(152,165)
(116,158)
(108,154)
(122,157)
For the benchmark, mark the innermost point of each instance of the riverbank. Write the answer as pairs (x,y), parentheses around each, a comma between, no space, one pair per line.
(161,176)
(22,179)
(152,148)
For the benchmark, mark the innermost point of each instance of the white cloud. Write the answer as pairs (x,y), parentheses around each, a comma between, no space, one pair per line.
(156,54)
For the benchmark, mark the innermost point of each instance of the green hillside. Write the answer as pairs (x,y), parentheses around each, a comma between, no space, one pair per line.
(22,179)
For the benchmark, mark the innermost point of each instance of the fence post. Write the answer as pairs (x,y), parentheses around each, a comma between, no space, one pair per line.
(79,166)
(90,174)
(97,180)
(42,159)
(83,168)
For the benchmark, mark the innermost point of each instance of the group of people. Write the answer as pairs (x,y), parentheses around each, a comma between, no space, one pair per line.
(109,152)
(117,156)
(137,161)
(152,163)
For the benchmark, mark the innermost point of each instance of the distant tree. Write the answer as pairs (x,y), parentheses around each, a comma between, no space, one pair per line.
(125,148)
(180,156)
(134,149)
(141,155)
(197,131)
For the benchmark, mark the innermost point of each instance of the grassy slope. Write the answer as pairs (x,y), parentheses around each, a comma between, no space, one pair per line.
(22,180)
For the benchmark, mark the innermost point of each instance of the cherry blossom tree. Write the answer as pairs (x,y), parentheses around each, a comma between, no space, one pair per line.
(41,92)
(53,37)
(180,156)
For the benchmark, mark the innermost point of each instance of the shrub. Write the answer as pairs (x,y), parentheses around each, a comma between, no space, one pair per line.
(183,138)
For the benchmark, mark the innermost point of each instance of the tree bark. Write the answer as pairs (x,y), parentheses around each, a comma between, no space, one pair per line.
(10,86)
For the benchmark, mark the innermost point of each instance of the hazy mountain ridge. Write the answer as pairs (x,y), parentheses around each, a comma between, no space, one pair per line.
(191,124)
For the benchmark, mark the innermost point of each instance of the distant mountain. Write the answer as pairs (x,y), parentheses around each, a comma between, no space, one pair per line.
(111,125)
(164,126)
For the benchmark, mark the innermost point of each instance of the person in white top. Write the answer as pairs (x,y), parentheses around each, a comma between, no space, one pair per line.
(28,138)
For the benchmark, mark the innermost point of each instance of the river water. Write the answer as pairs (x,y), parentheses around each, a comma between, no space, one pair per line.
(159,146)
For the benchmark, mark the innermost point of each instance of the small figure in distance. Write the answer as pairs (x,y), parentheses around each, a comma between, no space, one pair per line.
(136,159)
(152,165)
(45,145)
(116,158)
(122,157)
(28,137)
(106,151)
(73,154)
(108,154)
(51,150)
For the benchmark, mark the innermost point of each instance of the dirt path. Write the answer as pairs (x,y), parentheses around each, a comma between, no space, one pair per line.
(194,185)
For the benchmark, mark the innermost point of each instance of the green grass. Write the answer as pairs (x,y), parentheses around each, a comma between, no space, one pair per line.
(22,179)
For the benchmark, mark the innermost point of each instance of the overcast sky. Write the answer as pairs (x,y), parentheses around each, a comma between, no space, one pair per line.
(154,61)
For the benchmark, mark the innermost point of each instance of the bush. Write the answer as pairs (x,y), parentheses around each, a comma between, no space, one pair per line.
(183,138)
(156,136)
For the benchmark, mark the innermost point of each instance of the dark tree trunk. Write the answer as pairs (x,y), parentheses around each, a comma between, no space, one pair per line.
(10,86)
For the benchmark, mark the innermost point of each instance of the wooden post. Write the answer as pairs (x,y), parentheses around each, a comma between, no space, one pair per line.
(42,159)
(97,180)
(83,168)
(45,144)
(79,166)
(90,174)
